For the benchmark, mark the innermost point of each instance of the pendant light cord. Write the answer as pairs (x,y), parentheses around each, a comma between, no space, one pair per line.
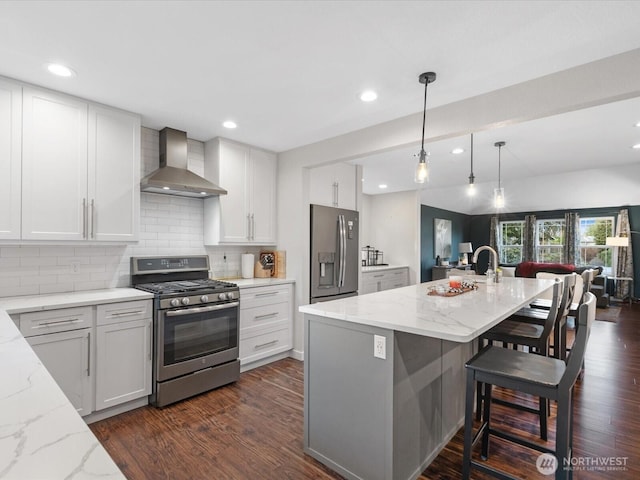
(499,163)
(424,117)
(471,177)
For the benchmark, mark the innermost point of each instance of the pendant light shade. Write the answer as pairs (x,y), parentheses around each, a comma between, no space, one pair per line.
(498,193)
(422,169)
(471,190)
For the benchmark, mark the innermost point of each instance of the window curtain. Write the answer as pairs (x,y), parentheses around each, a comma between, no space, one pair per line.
(571,238)
(624,266)
(529,240)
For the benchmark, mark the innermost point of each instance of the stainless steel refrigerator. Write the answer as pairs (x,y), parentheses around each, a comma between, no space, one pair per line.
(334,253)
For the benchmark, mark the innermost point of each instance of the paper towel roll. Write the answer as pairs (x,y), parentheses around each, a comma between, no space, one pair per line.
(247,265)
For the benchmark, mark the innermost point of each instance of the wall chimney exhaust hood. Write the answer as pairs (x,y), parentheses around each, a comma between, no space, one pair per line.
(173,177)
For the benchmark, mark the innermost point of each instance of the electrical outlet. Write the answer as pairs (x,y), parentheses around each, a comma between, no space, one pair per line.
(380,347)
(75,266)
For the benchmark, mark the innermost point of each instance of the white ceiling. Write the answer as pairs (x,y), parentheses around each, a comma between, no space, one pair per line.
(290,72)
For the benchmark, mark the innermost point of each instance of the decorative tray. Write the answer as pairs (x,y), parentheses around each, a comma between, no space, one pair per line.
(447,291)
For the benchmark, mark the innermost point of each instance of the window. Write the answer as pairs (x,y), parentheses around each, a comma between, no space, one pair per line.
(511,241)
(550,241)
(593,236)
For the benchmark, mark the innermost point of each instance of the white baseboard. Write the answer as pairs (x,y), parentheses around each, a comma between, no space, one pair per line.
(297,355)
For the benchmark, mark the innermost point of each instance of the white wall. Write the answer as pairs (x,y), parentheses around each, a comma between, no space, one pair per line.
(169,225)
(394,225)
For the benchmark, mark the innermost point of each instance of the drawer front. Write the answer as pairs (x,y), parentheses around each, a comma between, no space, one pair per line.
(263,316)
(261,346)
(123,312)
(52,321)
(255,297)
(395,279)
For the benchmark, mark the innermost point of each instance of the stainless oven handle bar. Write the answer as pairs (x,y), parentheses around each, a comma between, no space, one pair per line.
(210,308)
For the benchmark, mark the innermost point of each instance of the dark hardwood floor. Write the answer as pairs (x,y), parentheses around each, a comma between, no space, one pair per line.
(253,429)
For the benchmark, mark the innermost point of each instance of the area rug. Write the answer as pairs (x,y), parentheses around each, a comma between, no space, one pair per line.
(609,314)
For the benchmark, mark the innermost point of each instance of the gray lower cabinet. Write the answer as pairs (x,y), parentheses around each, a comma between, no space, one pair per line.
(376,281)
(99,355)
(379,419)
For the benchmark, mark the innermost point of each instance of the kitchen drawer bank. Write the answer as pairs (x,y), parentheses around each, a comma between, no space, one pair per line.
(95,344)
(43,435)
(266,321)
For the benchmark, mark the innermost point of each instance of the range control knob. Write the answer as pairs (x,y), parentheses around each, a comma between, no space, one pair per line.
(185,301)
(174,302)
(222,296)
(204,298)
(230,296)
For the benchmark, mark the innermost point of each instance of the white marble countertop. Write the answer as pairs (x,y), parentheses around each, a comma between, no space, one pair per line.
(32,303)
(41,434)
(409,309)
(377,268)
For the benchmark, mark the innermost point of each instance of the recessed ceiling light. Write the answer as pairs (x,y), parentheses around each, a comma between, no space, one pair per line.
(368,96)
(638,124)
(229,124)
(636,146)
(382,185)
(457,151)
(60,70)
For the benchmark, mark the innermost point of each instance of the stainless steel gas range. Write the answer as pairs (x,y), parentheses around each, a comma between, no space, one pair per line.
(195,326)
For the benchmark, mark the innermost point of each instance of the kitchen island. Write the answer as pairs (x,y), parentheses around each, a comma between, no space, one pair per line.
(384,373)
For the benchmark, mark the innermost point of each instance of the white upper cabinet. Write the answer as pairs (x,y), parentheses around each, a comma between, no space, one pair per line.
(333,186)
(54,167)
(80,170)
(247,214)
(10,158)
(114,174)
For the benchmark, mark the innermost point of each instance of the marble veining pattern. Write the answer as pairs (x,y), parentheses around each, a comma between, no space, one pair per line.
(41,434)
(409,309)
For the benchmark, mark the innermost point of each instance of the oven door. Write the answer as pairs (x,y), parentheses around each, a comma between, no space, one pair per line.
(190,339)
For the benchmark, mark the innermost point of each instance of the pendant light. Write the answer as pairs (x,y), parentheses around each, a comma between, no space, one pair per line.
(498,193)
(471,190)
(422,169)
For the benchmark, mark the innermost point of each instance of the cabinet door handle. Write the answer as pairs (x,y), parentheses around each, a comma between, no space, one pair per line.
(248,227)
(253,228)
(93,218)
(150,341)
(267,344)
(89,354)
(266,315)
(84,218)
(337,194)
(266,294)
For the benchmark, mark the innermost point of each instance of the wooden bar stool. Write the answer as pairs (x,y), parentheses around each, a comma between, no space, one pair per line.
(533,374)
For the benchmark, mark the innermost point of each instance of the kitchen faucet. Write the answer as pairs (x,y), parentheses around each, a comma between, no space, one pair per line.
(494,256)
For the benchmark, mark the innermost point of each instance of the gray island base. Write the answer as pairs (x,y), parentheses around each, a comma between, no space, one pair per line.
(374,418)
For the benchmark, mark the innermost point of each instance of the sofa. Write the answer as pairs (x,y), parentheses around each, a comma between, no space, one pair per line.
(530,269)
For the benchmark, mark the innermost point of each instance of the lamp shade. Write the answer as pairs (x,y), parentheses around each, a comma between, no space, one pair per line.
(617,241)
(465,247)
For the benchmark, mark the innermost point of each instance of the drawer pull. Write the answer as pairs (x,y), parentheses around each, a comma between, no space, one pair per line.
(267,344)
(378,276)
(57,322)
(126,314)
(266,315)
(266,294)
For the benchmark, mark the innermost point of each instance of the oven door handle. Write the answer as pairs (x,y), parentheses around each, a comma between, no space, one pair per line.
(191,311)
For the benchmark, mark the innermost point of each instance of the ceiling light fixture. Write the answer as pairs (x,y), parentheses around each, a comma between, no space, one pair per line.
(498,193)
(368,96)
(229,124)
(60,70)
(636,146)
(457,151)
(422,170)
(471,191)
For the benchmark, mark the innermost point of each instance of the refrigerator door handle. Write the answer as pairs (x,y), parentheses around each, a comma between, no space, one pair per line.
(343,250)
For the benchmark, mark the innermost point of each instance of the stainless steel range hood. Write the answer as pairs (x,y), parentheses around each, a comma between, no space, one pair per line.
(173,177)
